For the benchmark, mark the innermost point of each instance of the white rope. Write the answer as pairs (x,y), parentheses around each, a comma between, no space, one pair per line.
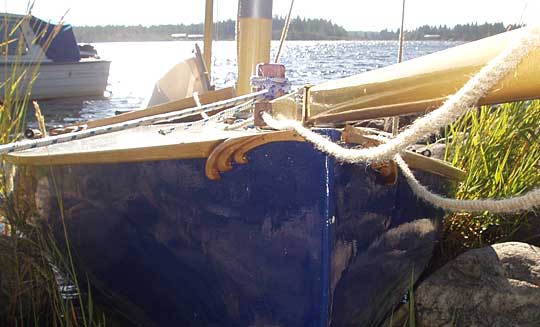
(241,124)
(525,202)
(457,105)
(452,109)
(219,117)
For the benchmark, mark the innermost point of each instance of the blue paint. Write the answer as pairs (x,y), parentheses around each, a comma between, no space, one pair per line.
(326,246)
(58,41)
(255,248)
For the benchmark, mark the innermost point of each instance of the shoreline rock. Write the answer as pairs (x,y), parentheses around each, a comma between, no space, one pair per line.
(495,286)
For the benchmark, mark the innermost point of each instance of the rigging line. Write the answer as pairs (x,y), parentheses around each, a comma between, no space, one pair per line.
(107,129)
(284,32)
(401,34)
(241,124)
(216,20)
(237,31)
(217,118)
(216,28)
(395,120)
(523,12)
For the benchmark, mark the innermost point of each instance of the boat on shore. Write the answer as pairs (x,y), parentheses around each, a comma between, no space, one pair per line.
(51,53)
(196,220)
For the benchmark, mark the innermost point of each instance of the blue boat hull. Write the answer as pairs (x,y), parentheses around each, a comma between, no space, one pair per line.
(290,239)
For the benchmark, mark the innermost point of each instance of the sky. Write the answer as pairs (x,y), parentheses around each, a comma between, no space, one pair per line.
(354,15)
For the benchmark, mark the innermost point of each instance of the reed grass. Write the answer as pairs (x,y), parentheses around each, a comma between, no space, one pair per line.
(499,147)
(31,263)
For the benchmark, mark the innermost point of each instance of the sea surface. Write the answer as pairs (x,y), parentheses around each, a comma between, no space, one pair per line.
(136,66)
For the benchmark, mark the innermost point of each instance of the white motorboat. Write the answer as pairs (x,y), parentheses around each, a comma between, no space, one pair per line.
(51,53)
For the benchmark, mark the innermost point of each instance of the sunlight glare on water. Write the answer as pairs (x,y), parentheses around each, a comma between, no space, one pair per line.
(136,66)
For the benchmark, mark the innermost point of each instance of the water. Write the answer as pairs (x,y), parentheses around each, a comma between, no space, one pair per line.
(137,65)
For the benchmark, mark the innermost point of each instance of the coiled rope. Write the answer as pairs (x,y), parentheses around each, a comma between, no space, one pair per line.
(457,105)
(274,85)
(214,118)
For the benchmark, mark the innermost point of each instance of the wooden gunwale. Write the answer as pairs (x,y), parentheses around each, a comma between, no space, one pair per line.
(240,143)
(101,155)
(155,153)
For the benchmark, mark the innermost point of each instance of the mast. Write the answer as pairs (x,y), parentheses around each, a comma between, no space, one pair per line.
(208,31)
(253,37)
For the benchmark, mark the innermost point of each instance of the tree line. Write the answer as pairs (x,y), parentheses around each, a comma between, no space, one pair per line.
(466,32)
(300,29)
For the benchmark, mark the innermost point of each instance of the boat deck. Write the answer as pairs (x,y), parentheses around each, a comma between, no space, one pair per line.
(158,142)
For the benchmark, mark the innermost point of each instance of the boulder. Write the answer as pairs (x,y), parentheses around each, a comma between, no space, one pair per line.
(494,286)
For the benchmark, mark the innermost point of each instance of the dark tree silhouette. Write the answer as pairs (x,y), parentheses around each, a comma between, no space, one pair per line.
(300,29)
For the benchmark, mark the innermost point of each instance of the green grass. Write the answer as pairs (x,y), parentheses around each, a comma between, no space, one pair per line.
(499,147)
(29,289)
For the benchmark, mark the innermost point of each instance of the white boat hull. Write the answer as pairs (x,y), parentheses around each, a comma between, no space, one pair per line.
(60,80)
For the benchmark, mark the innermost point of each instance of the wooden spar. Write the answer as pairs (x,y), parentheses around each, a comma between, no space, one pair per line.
(380,111)
(253,37)
(210,97)
(414,160)
(416,85)
(208,32)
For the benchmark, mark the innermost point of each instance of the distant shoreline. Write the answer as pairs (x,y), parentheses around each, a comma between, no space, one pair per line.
(336,40)
(300,30)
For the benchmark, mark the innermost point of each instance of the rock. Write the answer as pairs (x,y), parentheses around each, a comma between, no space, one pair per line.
(494,286)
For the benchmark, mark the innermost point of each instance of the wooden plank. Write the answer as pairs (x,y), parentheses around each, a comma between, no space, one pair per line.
(207,98)
(414,160)
(203,70)
(210,97)
(432,165)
